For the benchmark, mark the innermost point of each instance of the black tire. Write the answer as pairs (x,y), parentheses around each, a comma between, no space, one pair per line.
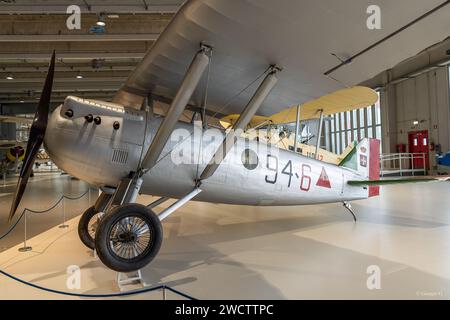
(111,252)
(83,227)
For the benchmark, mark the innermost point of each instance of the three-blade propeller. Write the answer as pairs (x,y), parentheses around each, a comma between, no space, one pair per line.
(36,137)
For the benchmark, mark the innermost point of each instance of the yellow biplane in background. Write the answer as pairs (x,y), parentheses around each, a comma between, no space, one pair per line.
(270,129)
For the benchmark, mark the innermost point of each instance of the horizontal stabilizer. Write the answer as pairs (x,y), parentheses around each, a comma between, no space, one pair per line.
(397,181)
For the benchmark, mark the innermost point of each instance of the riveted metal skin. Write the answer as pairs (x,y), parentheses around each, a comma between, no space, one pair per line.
(87,152)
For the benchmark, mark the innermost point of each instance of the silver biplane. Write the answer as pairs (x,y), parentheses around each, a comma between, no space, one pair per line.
(212,55)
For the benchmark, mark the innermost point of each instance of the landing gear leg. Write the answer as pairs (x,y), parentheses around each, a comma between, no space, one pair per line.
(129,235)
(89,221)
(348,206)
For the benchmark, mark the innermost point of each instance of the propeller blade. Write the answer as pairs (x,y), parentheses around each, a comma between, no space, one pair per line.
(36,137)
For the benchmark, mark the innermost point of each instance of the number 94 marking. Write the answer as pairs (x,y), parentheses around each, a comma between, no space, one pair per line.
(272,166)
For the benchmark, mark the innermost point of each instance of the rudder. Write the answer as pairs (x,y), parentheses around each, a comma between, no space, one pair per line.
(365,159)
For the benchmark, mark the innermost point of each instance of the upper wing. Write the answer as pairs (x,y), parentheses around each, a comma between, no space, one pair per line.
(232,118)
(308,38)
(339,101)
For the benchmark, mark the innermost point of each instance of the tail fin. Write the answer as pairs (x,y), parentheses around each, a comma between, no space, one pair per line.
(347,150)
(365,159)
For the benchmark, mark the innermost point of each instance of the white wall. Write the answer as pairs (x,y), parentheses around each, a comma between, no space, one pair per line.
(424,98)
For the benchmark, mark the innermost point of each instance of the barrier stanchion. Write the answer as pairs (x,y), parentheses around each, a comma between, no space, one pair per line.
(64,225)
(26,210)
(25,248)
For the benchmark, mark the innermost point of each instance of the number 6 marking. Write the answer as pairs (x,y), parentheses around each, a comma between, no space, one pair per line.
(305,177)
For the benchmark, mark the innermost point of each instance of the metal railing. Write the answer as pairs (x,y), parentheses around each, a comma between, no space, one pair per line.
(402,164)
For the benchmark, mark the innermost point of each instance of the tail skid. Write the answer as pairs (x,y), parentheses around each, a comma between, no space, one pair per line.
(348,206)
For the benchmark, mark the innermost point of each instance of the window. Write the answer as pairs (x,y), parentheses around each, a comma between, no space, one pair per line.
(345,127)
(378,131)
(337,146)
(361,118)
(377,113)
(355,119)
(369,116)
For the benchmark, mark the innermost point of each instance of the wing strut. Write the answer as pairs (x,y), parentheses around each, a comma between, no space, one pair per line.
(297,128)
(184,94)
(230,139)
(319,134)
(128,189)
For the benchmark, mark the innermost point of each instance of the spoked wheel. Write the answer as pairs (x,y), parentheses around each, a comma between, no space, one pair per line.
(128,237)
(87,227)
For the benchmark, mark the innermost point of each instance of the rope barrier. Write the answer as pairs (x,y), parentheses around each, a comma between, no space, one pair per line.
(13,226)
(108,295)
(177,292)
(80,295)
(43,211)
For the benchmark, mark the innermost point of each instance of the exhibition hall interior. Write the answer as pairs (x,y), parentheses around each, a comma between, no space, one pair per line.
(216,149)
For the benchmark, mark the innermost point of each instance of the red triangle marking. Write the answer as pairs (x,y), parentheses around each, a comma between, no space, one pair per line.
(323,181)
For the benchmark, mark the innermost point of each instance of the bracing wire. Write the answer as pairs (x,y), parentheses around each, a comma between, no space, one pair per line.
(240,92)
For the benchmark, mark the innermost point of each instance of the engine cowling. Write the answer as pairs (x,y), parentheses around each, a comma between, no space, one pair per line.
(96,141)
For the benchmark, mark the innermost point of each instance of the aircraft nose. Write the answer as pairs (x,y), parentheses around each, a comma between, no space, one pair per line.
(51,135)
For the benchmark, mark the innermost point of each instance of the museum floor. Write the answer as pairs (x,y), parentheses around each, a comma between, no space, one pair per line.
(215,251)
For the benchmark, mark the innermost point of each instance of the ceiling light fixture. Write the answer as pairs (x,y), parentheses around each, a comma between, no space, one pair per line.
(101,20)
(9,77)
(79,76)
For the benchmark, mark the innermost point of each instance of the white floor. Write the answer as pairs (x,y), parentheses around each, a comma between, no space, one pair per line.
(215,251)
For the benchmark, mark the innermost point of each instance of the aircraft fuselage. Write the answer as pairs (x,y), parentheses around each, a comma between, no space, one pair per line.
(252,173)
